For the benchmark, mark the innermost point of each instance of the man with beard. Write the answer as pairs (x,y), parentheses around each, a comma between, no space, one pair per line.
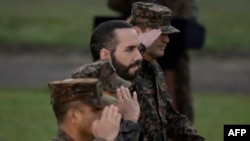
(119,43)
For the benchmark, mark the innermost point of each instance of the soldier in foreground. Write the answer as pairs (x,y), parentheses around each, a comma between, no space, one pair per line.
(84,112)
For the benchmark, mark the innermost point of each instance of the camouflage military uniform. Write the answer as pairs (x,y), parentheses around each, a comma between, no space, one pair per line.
(179,61)
(105,72)
(62,136)
(158,119)
(176,56)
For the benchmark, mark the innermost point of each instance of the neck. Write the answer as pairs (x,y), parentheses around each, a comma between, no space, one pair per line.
(147,57)
(75,134)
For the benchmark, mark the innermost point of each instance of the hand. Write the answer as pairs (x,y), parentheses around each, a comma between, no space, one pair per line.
(128,106)
(107,127)
(148,38)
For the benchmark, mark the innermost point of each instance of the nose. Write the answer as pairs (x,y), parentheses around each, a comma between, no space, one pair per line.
(164,38)
(137,55)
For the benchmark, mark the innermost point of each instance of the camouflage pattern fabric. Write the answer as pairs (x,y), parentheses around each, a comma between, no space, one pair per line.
(180,8)
(152,15)
(186,9)
(105,72)
(62,136)
(129,131)
(158,118)
(88,90)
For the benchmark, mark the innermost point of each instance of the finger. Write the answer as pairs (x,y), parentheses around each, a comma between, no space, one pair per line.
(118,118)
(134,96)
(124,93)
(114,112)
(104,113)
(94,125)
(119,95)
(128,93)
(156,33)
(110,112)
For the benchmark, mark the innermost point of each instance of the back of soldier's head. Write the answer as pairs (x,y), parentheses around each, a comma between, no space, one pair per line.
(72,93)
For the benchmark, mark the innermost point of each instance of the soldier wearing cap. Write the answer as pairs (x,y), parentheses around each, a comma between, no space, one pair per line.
(78,105)
(158,118)
(175,61)
(113,85)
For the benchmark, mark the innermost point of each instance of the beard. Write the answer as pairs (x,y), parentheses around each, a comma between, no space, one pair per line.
(123,71)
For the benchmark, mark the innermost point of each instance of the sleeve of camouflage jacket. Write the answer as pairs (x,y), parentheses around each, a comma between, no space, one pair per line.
(129,131)
(179,127)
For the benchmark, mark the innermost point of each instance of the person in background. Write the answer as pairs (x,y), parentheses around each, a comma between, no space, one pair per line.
(159,119)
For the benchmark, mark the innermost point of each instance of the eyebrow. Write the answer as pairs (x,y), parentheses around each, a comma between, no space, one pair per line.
(131,47)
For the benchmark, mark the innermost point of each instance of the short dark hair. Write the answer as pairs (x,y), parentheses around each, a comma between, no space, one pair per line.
(61,109)
(104,37)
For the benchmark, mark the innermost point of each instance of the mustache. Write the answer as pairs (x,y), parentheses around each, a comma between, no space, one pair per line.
(162,46)
(136,63)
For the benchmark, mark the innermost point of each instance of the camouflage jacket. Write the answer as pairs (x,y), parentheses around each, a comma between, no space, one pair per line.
(62,136)
(129,131)
(158,119)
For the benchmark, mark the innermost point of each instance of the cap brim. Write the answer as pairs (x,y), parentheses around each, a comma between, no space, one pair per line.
(114,81)
(169,29)
(107,100)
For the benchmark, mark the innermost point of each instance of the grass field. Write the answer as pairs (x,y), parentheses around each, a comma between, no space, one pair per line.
(27,115)
(69,23)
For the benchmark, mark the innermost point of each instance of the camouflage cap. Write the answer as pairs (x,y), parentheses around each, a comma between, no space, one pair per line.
(152,15)
(105,72)
(87,90)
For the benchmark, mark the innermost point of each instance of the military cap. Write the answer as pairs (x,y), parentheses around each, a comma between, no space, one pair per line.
(87,90)
(152,15)
(105,72)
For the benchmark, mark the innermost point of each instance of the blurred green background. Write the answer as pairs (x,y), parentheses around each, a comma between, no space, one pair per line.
(69,23)
(26,114)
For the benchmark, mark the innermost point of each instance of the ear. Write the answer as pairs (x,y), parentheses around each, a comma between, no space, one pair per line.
(73,115)
(138,30)
(104,54)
